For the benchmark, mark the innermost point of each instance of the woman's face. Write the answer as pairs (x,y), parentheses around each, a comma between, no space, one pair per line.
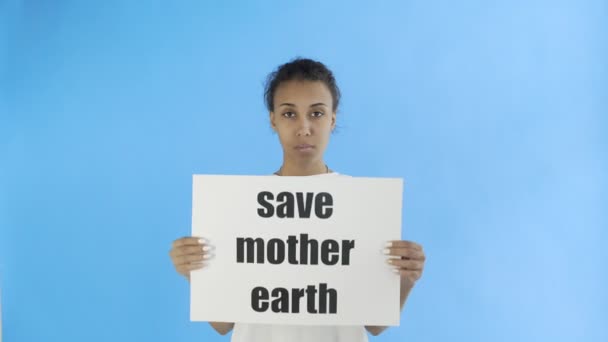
(303,118)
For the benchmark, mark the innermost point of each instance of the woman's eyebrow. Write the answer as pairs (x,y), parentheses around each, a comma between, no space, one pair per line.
(312,105)
(318,104)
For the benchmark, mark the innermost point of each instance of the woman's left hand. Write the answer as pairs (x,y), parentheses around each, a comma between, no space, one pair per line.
(407,258)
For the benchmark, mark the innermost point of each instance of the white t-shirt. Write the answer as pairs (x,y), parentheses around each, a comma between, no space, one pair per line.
(298,333)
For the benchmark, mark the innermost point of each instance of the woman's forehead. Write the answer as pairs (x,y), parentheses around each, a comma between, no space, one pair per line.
(299,93)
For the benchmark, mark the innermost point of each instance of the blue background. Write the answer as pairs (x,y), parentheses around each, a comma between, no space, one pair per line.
(494,113)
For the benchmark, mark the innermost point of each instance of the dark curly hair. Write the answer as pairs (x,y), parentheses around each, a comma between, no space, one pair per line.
(301,69)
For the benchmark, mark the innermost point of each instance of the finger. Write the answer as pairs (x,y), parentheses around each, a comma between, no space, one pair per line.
(187,259)
(410,254)
(413,275)
(185,270)
(196,266)
(186,250)
(404,243)
(405,252)
(188,241)
(415,255)
(412,265)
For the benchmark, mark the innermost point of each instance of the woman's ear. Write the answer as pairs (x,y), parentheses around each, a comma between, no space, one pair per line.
(272,123)
(333,121)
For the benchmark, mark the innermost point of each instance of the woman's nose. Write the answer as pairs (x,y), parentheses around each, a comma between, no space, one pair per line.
(303,128)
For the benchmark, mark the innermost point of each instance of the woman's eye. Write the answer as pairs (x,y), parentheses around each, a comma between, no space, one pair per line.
(289,114)
(317,114)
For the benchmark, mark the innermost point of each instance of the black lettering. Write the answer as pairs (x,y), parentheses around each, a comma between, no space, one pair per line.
(262,197)
(280,304)
(292,242)
(304,253)
(323,199)
(280,298)
(347,245)
(296,295)
(258,295)
(333,299)
(240,250)
(311,290)
(286,209)
(257,251)
(286,204)
(330,252)
(304,209)
(276,251)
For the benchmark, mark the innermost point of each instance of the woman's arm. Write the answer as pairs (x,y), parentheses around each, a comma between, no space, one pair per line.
(222,327)
(406,288)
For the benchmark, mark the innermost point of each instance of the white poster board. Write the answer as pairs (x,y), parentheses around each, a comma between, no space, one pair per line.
(316,262)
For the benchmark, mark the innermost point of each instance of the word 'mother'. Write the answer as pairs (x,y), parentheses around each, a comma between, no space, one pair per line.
(303,251)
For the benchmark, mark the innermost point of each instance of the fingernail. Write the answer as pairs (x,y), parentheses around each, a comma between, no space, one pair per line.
(207,256)
(389,261)
(202,241)
(396,270)
(389,244)
(386,251)
(207,248)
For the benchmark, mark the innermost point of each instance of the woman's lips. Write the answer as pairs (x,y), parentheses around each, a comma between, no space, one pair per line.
(304,147)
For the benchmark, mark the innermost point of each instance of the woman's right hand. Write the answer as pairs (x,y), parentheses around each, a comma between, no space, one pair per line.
(189,254)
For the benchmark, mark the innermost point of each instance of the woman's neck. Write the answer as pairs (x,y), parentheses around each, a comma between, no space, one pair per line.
(303,169)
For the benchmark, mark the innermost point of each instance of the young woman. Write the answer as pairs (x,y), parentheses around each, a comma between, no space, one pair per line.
(302,98)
